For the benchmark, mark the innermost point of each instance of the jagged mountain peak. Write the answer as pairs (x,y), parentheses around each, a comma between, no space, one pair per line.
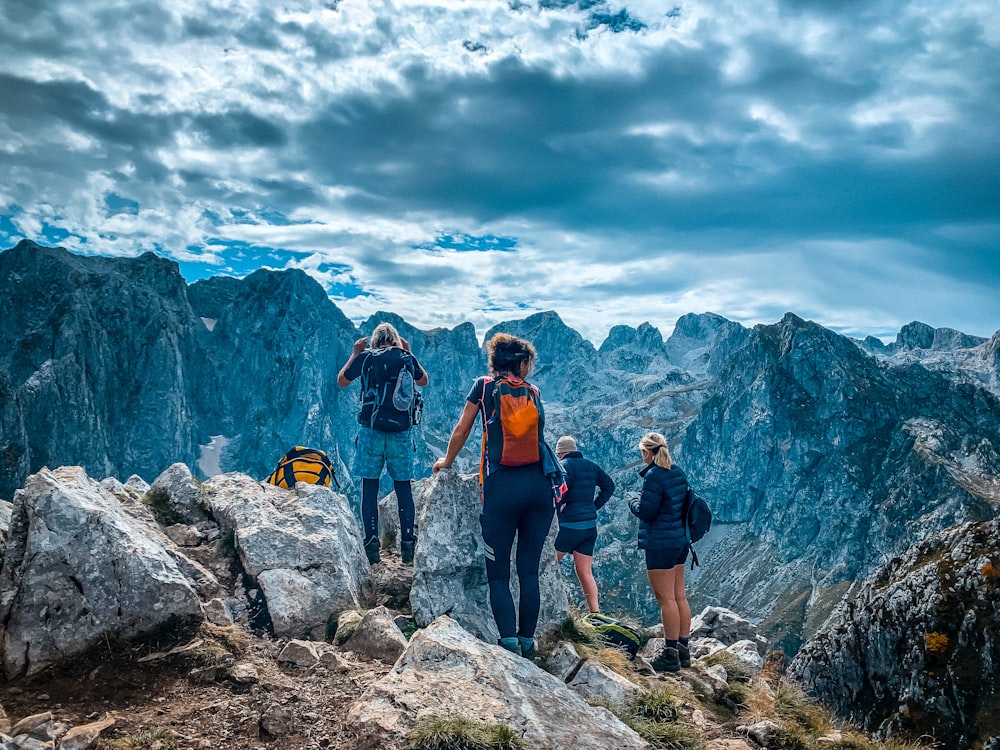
(646,336)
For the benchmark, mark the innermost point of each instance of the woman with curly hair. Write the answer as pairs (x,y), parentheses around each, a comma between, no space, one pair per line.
(516,494)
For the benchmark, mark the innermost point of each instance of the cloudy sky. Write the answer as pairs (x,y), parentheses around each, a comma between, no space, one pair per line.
(481,160)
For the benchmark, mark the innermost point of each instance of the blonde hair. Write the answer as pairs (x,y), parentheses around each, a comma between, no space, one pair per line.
(656,444)
(507,353)
(385,334)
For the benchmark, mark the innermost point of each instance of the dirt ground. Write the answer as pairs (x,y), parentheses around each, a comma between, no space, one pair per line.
(207,688)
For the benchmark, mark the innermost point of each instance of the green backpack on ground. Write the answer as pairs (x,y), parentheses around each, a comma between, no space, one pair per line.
(615,633)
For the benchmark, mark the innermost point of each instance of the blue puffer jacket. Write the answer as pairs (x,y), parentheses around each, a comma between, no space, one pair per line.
(660,509)
(583,478)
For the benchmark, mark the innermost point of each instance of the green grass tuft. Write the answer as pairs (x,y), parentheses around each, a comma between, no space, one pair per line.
(654,705)
(463,734)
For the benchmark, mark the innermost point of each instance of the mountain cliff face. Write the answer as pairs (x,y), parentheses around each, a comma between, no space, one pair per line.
(821,456)
(99,363)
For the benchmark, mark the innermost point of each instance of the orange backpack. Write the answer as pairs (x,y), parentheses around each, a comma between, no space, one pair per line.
(513,421)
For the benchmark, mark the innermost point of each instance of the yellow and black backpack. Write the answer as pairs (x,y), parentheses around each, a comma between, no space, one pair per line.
(302,464)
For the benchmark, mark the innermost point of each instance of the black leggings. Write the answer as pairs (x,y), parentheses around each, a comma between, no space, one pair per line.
(369,509)
(516,500)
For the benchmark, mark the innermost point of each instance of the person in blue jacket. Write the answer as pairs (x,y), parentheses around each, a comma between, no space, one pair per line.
(660,508)
(578,514)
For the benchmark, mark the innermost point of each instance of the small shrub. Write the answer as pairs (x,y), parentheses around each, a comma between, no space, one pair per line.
(989,571)
(668,736)
(158,502)
(653,705)
(793,705)
(791,737)
(463,734)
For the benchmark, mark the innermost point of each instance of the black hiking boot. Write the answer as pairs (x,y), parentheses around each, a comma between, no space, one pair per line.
(684,654)
(371,550)
(666,661)
(406,552)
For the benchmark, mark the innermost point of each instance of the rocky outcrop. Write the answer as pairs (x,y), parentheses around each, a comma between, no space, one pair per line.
(302,547)
(78,569)
(449,565)
(914,649)
(445,672)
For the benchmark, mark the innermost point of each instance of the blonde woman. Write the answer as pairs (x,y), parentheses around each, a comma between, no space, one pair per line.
(660,509)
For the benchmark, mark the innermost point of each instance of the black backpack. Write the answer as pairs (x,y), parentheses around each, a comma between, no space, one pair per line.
(388,375)
(697,520)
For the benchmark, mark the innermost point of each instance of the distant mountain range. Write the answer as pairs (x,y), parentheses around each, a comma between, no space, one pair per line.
(821,456)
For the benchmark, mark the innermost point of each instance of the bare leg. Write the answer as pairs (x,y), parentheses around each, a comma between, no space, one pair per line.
(662,582)
(683,608)
(560,556)
(585,572)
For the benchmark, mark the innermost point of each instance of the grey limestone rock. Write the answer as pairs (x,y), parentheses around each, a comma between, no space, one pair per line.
(176,485)
(78,568)
(377,636)
(302,546)
(447,672)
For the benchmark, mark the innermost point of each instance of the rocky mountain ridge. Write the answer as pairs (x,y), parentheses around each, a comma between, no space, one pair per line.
(821,456)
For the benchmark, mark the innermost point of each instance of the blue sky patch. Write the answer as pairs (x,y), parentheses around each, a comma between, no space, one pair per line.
(118,205)
(469,243)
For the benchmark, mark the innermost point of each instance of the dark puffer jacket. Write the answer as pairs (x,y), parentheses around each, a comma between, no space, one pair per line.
(583,478)
(660,509)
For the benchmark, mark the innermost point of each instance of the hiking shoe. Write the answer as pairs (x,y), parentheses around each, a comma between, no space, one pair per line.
(511,644)
(406,552)
(684,654)
(371,550)
(527,648)
(666,661)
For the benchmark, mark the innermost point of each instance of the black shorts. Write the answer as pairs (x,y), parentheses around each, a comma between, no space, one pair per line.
(576,540)
(665,559)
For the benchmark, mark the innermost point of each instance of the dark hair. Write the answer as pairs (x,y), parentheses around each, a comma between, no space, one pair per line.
(506,353)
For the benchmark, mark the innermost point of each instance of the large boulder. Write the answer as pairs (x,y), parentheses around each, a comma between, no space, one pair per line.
(447,672)
(302,546)
(449,565)
(78,569)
